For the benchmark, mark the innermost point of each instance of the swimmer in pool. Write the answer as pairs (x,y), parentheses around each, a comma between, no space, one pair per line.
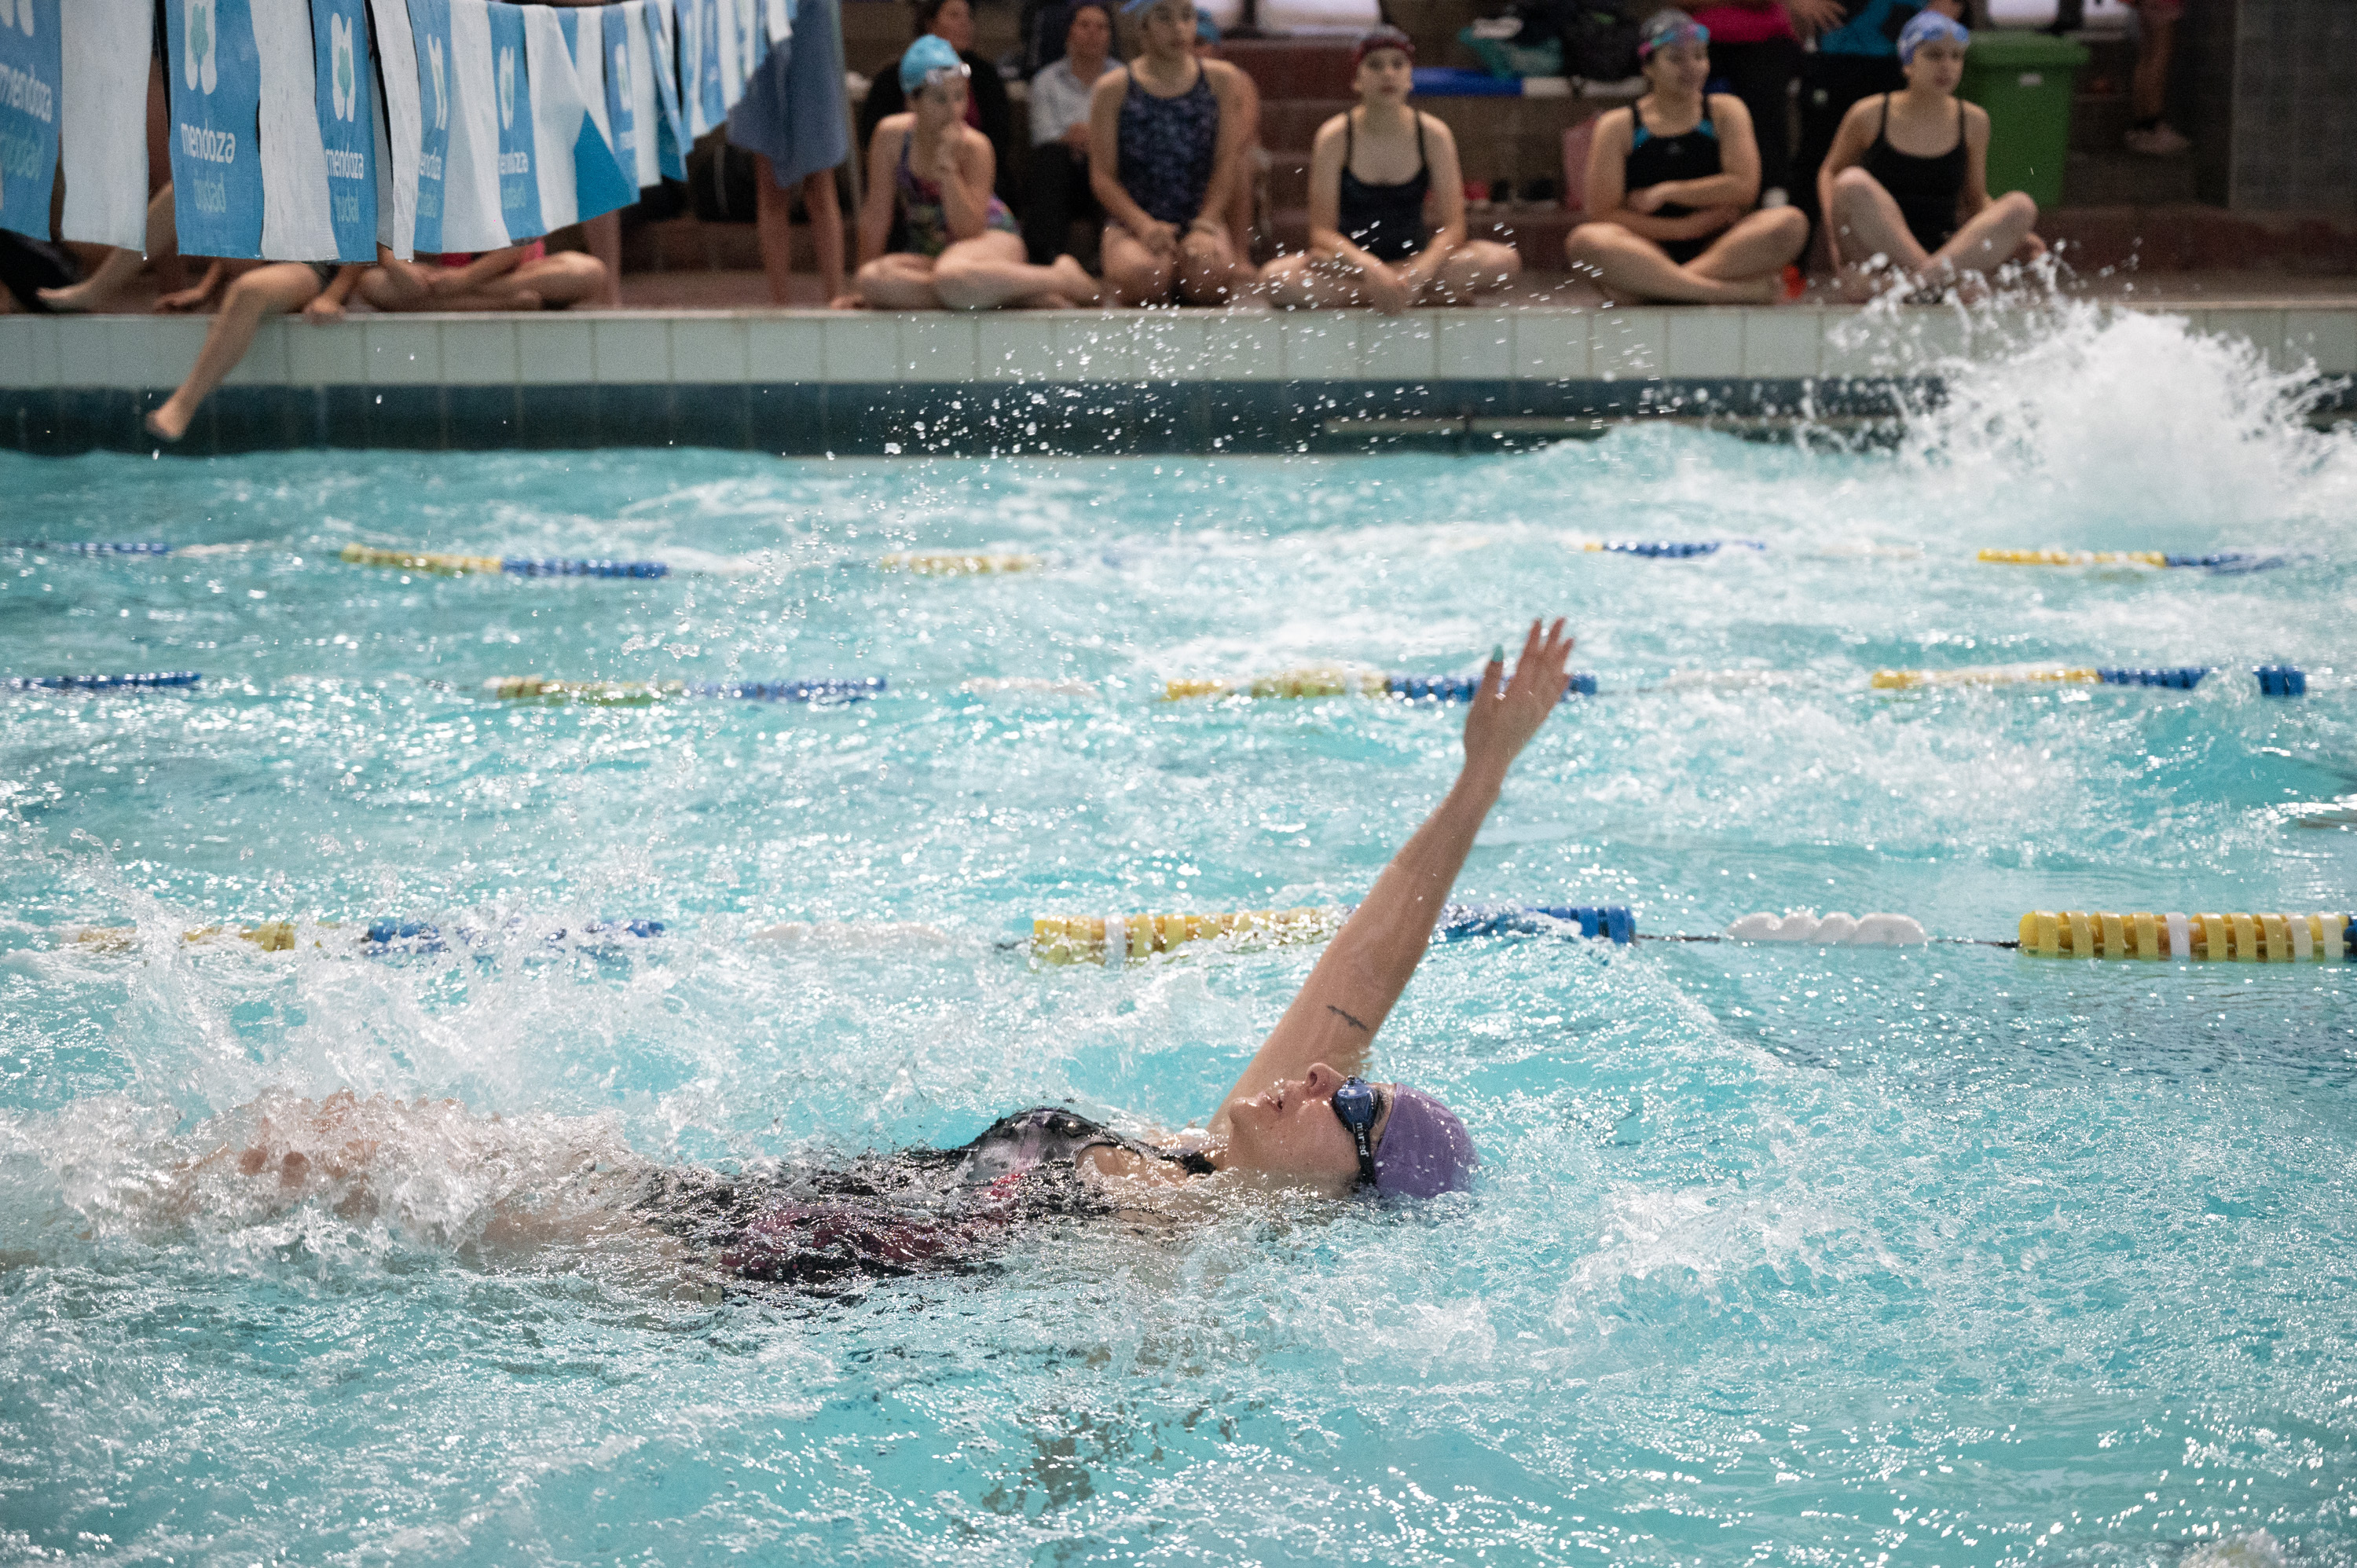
(1301,1117)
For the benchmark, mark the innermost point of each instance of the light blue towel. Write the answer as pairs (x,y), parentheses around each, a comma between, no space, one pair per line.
(215,76)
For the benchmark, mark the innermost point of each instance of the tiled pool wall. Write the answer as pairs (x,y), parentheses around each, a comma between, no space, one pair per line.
(867,383)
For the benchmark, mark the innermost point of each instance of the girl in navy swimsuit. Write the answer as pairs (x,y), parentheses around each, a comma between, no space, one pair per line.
(1906,185)
(1671,181)
(1368,243)
(1299,1118)
(1166,143)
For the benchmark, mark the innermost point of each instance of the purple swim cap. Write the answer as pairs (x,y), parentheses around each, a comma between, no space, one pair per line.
(1426,1150)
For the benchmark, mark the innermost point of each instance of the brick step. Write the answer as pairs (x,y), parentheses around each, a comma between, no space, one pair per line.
(2189,237)
(1293,68)
(2098,121)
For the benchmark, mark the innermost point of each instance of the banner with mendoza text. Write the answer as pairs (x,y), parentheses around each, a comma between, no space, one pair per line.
(473,221)
(347,91)
(32,71)
(513,87)
(213,75)
(626,65)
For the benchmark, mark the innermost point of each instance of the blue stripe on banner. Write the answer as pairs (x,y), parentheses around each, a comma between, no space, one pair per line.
(214,75)
(32,78)
(671,141)
(707,69)
(616,22)
(511,82)
(429,21)
(339,35)
(599,182)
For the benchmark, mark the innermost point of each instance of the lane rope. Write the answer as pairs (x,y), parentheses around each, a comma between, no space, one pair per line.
(161,679)
(2239,938)
(439,564)
(828,688)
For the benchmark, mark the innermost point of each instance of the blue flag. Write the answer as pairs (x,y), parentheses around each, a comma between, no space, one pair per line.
(214,76)
(340,37)
(615,21)
(32,69)
(429,23)
(511,82)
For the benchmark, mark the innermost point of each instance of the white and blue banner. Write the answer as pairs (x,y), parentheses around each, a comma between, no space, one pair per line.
(780,18)
(103,150)
(429,28)
(296,225)
(699,65)
(671,147)
(473,221)
(578,177)
(512,89)
(32,73)
(347,89)
(626,65)
(730,34)
(586,40)
(213,75)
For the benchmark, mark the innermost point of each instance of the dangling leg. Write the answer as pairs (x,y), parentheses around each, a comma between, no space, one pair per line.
(272,289)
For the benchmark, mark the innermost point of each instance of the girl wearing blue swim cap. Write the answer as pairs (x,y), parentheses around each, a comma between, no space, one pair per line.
(1905,187)
(934,172)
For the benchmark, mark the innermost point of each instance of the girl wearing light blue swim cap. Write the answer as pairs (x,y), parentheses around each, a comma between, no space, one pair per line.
(1905,187)
(931,169)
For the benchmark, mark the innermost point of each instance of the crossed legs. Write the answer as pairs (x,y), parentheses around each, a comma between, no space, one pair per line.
(1743,266)
(1302,282)
(981,273)
(114,274)
(1868,227)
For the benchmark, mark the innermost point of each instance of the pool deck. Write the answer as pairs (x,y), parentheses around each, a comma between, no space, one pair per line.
(807,382)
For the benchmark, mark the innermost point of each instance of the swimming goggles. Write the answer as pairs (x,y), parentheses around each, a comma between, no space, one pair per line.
(1356,1106)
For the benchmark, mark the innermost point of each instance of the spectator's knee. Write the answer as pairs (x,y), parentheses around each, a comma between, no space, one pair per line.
(1790,225)
(2018,204)
(1851,184)
(1589,240)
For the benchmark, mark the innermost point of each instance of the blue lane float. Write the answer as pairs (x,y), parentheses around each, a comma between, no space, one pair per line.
(1669,549)
(2282,681)
(638,693)
(447,565)
(163,679)
(89,547)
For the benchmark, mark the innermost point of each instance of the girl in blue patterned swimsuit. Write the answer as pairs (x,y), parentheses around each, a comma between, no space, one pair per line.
(1165,134)
(967,252)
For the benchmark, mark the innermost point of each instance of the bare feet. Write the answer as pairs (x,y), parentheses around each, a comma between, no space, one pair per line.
(182,300)
(169,422)
(1074,283)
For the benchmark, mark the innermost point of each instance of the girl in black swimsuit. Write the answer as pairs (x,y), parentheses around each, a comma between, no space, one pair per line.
(1368,240)
(1905,188)
(1299,1118)
(1671,181)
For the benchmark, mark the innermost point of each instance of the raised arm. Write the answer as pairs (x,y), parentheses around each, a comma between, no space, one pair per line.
(1369,963)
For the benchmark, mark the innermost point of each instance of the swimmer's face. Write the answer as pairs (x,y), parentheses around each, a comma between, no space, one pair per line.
(1170,28)
(1289,1132)
(1385,75)
(943,99)
(1681,69)
(1938,65)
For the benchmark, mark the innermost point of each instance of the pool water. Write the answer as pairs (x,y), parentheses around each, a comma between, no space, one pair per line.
(1939,1255)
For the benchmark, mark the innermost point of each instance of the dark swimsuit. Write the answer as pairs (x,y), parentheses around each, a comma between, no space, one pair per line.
(927,219)
(1925,189)
(1656,160)
(1384,221)
(1167,147)
(920,1210)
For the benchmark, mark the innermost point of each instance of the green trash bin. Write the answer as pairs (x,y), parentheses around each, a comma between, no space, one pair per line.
(2025,81)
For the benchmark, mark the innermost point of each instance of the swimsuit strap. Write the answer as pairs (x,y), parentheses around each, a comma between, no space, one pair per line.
(1423,164)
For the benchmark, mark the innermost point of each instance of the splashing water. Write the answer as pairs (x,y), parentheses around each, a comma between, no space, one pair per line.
(1893,1256)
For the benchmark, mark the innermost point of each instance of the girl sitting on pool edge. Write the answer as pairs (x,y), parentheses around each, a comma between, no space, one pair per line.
(1299,1118)
(1368,243)
(1671,180)
(965,251)
(1920,221)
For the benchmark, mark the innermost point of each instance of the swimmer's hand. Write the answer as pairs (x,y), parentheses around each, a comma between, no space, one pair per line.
(1506,714)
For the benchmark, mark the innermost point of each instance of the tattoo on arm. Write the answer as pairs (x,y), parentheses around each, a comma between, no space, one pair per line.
(1347,1018)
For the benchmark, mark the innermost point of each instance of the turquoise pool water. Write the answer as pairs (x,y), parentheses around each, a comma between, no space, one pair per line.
(1780,1255)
